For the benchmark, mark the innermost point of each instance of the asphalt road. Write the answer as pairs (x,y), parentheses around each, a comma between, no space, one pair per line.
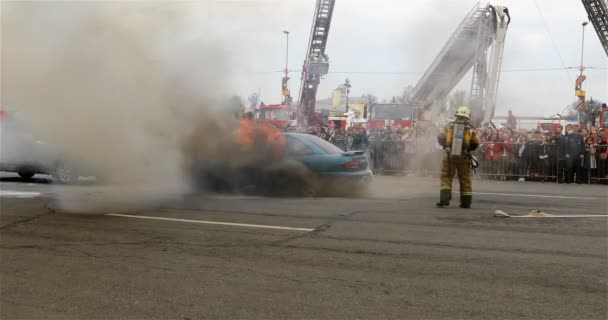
(393,255)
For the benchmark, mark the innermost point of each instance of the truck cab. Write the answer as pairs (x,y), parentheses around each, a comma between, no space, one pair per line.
(282,116)
(390,114)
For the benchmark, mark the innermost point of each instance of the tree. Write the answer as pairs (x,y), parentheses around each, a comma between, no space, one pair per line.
(570,112)
(406,95)
(585,116)
(370,98)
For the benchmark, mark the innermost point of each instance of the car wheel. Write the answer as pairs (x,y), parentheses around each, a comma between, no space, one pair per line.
(289,180)
(64,173)
(26,174)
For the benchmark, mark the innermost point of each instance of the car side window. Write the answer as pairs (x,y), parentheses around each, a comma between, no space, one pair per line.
(297,148)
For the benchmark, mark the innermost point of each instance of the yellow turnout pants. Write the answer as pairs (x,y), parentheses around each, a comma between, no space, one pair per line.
(454,164)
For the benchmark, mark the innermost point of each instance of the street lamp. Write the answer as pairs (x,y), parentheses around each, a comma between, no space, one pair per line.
(286,51)
(285,91)
(583,47)
(347,86)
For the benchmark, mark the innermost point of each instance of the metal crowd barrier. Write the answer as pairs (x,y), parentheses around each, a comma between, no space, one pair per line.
(507,161)
(501,161)
(354,144)
(533,161)
(388,156)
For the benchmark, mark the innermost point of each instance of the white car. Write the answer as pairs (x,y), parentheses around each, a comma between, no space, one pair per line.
(24,153)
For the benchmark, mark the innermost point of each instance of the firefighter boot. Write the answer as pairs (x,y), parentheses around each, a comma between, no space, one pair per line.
(444,198)
(465,201)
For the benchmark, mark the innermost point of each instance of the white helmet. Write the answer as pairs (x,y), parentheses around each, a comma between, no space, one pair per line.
(464,112)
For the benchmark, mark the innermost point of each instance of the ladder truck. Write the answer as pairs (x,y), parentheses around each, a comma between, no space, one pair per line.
(316,64)
(477,44)
(597,10)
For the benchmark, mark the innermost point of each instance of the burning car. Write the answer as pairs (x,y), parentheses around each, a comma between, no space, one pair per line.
(308,166)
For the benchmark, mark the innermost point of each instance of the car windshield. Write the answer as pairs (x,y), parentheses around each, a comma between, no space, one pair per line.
(324,145)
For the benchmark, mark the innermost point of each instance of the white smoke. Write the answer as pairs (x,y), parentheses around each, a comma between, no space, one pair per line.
(117,86)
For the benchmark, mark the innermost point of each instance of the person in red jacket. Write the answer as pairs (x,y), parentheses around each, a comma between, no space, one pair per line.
(492,149)
(511,121)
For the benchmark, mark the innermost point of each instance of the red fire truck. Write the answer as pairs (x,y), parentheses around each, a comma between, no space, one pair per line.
(280,115)
(390,114)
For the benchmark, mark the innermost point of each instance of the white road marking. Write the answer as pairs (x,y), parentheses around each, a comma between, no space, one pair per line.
(211,222)
(18,194)
(533,195)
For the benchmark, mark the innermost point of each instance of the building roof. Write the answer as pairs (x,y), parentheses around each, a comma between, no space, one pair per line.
(351,100)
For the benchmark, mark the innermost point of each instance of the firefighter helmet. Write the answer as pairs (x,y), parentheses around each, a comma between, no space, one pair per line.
(464,112)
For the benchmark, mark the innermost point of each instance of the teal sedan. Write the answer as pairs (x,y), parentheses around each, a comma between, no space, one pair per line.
(326,160)
(315,167)
(311,166)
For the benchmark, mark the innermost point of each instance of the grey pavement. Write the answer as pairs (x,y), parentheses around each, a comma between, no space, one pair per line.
(391,255)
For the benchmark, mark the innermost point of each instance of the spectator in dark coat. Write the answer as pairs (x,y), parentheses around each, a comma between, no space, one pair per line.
(522,150)
(545,157)
(572,147)
(558,156)
(602,162)
(590,160)
(487,133)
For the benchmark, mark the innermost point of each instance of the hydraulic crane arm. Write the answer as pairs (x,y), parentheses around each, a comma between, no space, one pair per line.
(598,16)
(500,21)
(477,43)
(316,64)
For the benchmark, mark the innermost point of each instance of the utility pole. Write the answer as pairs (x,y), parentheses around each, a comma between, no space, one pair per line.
(584,24)
(347,86)
(286,51)
(285,91)
(579,92)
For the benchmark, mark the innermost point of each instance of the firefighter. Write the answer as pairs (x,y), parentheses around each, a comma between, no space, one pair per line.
(458,139)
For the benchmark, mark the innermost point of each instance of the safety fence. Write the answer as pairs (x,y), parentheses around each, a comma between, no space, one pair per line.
(351,144)
(500,161)
(528,161)
(542,161)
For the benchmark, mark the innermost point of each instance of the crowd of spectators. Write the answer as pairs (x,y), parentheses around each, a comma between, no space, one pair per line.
(570,154)
(566,155)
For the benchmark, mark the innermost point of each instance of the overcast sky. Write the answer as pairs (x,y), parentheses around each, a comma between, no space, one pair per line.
(381,45)
(405,36)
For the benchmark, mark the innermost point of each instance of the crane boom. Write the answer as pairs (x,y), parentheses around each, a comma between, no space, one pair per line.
(478,43)
(598,16)
(316,64)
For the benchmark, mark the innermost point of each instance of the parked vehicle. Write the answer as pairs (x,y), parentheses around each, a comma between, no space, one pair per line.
(280,115)
(26,154)
(391,114)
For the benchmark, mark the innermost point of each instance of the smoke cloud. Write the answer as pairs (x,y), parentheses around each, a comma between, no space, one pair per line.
(119,88)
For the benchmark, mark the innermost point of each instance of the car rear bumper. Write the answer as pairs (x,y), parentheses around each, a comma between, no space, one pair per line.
(364,176)
(25,166)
